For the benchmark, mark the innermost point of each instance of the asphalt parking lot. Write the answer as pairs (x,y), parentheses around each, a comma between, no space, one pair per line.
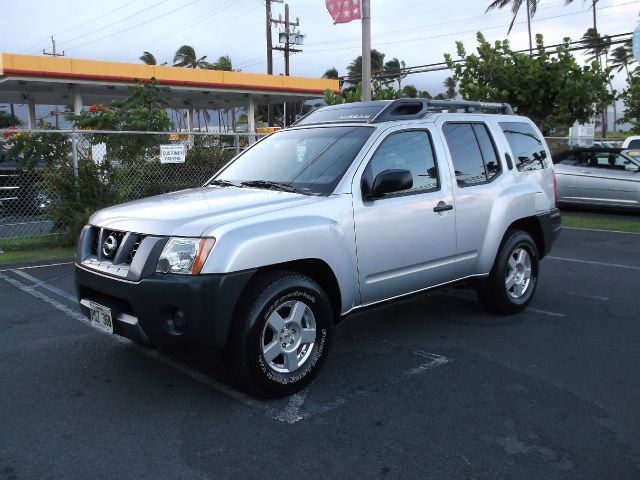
(431,387)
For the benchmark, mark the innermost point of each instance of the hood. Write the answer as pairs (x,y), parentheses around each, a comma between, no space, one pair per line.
(188,213)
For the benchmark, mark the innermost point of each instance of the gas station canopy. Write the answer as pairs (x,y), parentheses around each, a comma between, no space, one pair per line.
(35,80)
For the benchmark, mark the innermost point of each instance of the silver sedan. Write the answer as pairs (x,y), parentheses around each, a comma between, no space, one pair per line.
(604,177)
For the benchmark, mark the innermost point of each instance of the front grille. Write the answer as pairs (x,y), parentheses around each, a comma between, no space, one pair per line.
(134,250)
(129,242)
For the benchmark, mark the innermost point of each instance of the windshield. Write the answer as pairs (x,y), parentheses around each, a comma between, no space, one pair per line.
(311,160)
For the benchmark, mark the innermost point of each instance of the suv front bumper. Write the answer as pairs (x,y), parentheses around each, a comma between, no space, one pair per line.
(145,310)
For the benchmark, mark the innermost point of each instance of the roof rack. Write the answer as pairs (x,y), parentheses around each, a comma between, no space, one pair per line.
(388,110)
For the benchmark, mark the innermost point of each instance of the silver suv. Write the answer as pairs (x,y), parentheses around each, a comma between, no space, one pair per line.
(355,205)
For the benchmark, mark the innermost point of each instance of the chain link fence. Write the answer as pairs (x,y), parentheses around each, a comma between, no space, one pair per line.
(51,181)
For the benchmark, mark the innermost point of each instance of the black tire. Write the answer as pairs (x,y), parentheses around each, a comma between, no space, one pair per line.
(264,301)
(493,291)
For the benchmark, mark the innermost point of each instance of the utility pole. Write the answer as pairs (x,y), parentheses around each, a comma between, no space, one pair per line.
(288,37)
(366,50)
(54,53)
(270,54)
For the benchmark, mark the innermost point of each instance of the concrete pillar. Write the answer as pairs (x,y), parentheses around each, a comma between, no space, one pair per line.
(77,99)
(251,115)
(32,113)
(190,119)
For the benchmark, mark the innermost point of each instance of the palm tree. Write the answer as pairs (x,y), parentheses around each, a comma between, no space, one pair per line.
(148,58)
(622,57)
(332,73)
(595,45)
(394,69)
(223,63)
(186,57)
(354,70)
(531,6)
(450,85)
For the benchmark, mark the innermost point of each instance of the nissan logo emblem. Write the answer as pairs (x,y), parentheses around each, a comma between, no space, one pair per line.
(110,246)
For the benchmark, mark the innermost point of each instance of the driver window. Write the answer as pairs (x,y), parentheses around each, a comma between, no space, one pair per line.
(411,151)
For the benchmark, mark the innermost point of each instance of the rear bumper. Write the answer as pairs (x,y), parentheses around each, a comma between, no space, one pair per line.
(145,310)
(551,224)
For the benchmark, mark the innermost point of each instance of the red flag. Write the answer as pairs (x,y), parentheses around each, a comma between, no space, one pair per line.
(343,11)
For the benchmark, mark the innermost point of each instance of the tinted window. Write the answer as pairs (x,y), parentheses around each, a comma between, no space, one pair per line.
(313,160)
(526,146)
(465,153)
(487,149)
(573,158)
(407,151)
(610,161)
(634,144)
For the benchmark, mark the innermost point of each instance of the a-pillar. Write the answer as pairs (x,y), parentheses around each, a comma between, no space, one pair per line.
(77,99)
(32,112)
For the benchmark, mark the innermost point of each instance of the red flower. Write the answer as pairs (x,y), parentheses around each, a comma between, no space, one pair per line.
(92,108)
(102,108)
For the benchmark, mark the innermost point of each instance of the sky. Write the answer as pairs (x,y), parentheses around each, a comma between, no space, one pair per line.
(416,31)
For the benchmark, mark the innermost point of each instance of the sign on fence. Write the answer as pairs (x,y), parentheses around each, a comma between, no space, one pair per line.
(172,153)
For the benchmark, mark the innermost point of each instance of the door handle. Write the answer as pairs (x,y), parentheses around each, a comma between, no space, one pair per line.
(442,207)
(586,172)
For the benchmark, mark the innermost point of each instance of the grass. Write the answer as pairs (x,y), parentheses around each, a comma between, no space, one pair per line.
(35,249)
(569,220)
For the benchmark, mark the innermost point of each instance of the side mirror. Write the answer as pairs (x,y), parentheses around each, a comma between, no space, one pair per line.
(390,181)
(632,167)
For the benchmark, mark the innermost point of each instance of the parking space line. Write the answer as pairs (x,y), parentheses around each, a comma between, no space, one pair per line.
(30,267)
(528,309)
(591,262)
(600,230)
(292,413)
(41,283)
(153,354)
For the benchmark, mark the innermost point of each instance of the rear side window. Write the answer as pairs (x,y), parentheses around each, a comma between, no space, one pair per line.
(472,151)
(526,146)
(634,144)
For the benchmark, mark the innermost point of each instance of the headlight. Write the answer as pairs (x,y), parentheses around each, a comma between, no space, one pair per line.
(184,255)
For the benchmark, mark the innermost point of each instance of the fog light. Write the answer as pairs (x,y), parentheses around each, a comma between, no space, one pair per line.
(180,320)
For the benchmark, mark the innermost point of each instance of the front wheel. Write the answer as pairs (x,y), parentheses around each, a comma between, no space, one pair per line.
(514,276)
(281,334)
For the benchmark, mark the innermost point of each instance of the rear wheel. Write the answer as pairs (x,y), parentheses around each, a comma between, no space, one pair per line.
(514,276)
(280,335)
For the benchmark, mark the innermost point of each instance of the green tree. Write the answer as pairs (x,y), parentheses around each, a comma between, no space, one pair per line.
(551,89)
(410,91)
(8,120)
(223,63)
(593,9)
(531,6)
(354,70)
(595,45)
(631,99)
(379,91)
(148,58)
(450,84)
(394,70)
(622,58)
(332,73)
(186,56)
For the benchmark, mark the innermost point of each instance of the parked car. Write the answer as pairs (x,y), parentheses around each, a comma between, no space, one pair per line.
(601,177)
(632,142)
(355,205)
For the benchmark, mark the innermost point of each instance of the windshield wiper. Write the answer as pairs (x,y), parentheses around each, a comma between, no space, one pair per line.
(285,187)
(223,183)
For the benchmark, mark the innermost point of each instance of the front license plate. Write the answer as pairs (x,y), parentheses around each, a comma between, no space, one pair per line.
(101,317)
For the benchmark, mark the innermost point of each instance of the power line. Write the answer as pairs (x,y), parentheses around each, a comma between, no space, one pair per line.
(84,35)
(437,66)
(134,26)
(94,19)
(463,32)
